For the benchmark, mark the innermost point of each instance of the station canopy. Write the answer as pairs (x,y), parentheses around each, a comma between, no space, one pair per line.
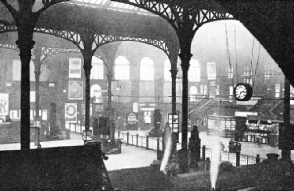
(102,17)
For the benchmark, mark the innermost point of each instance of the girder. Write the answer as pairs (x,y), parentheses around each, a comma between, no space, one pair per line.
(68,35)
(7,28)
(48,51)
(100,39)
(104,39)
(9,46)
(172,11)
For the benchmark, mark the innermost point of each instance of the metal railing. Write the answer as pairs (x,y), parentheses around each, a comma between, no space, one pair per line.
(75,127)
(237,159)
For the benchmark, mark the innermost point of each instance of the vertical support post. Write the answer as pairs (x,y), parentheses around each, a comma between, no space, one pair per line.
(25,44)
(175,135)
(238,158)
(158,151)
(203,152)
(286,152)
(118,134)
(132,139)
(147,142)
(109,103)
(137,139)
(128,135)
(87,52)
(185,56)
(257,159)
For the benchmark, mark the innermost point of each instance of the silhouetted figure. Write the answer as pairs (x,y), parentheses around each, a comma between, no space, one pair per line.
(194,147)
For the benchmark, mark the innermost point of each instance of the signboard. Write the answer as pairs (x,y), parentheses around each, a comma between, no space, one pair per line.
(75,90)
(147,116)
(211,71)
(75,68)
(221,123)
(71,112)
(245,113)
(173,121)
(132,118)
(4,103)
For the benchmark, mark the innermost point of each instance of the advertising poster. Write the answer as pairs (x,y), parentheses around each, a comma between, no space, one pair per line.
(4,103)
(75,68)
(211,71)
(75,90)
(71,112)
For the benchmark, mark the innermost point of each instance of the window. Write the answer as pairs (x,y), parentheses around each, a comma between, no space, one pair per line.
(267,75)
(217,90)
(97,71)
(203,89)
(167,68)
(277,90)
(193,93)
(247,70)
(32,96)
(231,91)
(194,73)
(248,80)
(122,68)
(96,93)
(229,72)
(16,70)
(146,69)
(247,74)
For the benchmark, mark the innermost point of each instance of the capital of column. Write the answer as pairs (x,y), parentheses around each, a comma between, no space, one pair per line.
(25,44)
(185,58)
(87,69)
(174,72)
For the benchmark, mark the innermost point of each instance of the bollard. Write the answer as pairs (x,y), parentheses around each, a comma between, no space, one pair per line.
(257,159)
(158,157)
(128,138)
(147,142)
(137,140)
(203,152)
(237,158)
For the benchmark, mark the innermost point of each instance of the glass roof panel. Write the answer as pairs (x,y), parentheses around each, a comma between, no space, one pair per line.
(111,5)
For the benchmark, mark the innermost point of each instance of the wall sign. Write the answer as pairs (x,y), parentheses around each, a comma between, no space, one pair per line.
(75,90)
(71,112)
(4,103)
(75,68)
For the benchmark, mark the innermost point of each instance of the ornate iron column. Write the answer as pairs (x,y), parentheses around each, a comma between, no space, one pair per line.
(109,51)
(25,20)
(109,101)
(87,51)
(37,62)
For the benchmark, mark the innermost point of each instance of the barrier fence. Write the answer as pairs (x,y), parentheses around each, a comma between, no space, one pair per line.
(152,143)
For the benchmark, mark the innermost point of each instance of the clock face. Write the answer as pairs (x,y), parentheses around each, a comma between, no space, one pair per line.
(240,91)
(243,92)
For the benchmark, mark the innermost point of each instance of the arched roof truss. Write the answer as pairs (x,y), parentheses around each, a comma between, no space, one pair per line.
(172,11)
(99,39)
